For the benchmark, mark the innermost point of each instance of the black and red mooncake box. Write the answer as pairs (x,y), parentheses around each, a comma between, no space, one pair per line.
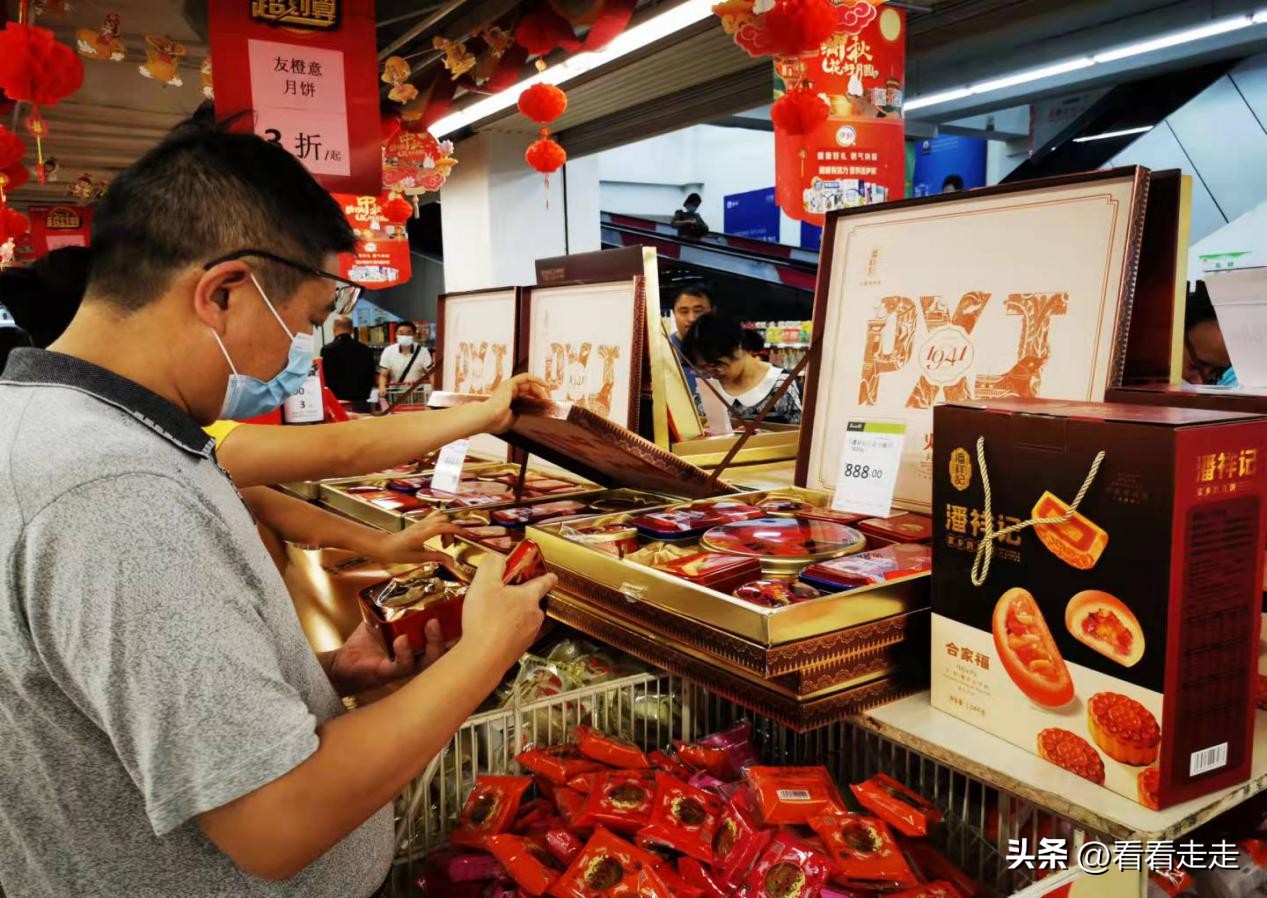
(1120,641)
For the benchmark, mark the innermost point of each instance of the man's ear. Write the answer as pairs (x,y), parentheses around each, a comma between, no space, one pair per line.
(215,288)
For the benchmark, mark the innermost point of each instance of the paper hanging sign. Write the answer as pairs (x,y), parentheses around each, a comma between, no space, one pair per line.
(381,257)
(857,157)
(414,162)
(309,73)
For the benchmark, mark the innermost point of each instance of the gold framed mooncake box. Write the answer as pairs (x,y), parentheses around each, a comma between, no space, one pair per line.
(1022,290)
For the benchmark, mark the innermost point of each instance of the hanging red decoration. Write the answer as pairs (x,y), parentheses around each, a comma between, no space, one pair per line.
(543,103)
(398,210)
(545,155)
(35,68)
(13,225)
(544,31)
(788,28)
(12,178)
(799,111)
(12,149)
(389,126)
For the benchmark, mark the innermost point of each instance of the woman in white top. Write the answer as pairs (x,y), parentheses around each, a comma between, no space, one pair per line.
(718,347)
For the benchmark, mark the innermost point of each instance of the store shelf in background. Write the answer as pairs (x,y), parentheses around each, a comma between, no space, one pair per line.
(787,346)
(913,723)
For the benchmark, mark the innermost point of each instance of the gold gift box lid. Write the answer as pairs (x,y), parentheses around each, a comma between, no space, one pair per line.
(580,441)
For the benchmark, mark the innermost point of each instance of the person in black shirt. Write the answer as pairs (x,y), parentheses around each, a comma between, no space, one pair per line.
(687,220)
(348,363)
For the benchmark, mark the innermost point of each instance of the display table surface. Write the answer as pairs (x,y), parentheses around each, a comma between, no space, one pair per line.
(915,724)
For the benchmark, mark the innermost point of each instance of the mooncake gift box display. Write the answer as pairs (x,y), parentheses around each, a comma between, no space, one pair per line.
(1115,636)
(1226,399)
(708,575)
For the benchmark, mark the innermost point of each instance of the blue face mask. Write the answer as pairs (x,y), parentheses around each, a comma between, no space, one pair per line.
(248,397)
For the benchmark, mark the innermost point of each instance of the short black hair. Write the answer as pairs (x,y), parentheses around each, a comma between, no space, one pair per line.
(205,191)
(693,198)
(752,341)
(952,181)
(44,296)
(697,290)
(1199,308)
(712,338)
(409,324)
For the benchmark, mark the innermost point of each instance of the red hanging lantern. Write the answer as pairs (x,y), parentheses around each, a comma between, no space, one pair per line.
(12,178)
(545,155)
(543,103)
(398,210)
(544,31)
(36,68)
(799,112)
(798,27)
(12,149)
(791,28)
(14,226)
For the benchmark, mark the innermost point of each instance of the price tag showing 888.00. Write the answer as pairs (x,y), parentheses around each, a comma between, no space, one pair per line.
(867,473)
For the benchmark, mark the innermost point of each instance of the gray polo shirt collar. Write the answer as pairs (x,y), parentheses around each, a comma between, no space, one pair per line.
(40,367)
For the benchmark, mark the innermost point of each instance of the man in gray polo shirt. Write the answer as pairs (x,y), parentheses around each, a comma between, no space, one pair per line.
(164,727)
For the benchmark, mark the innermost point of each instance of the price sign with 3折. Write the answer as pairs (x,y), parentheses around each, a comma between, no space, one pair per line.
(869,460)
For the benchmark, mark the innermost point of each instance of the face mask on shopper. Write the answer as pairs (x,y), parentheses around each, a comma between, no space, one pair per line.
(405,339)
(249,397)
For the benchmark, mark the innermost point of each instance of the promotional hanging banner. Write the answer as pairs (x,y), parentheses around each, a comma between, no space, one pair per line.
(381,258)
(858,155)
(308,70)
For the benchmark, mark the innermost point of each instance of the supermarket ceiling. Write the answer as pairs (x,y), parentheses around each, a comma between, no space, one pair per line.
(695,75)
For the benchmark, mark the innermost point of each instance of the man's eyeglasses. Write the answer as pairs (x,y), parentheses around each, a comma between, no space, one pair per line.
(346,293)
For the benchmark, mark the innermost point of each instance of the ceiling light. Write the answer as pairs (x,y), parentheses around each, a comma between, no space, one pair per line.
(1109,135)
(657,28)
(1049,71)
(1174,39)
(945,96)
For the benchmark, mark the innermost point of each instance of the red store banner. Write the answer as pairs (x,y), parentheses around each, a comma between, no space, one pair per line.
(381,258)
(308,69)
(858,155)
(53,227)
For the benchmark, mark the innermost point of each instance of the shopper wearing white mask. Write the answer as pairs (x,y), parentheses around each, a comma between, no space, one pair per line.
(406,361)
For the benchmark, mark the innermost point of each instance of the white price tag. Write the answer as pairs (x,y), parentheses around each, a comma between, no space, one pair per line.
(305,407)
(448,472)
(869,461)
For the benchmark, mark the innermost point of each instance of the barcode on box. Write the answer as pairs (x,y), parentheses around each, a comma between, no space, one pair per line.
(1207,759)
(793,795)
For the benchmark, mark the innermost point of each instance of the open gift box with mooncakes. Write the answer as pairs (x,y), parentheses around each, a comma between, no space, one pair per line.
(392,501)
(664,578)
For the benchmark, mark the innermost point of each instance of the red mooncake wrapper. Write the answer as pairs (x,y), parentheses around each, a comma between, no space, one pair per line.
(527,861)
(609,750)
(683,818)
(621,801)
(793,795)
(557,763)
(489,809)
(864,850)
(610,867)
(905,810)
(787,869)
